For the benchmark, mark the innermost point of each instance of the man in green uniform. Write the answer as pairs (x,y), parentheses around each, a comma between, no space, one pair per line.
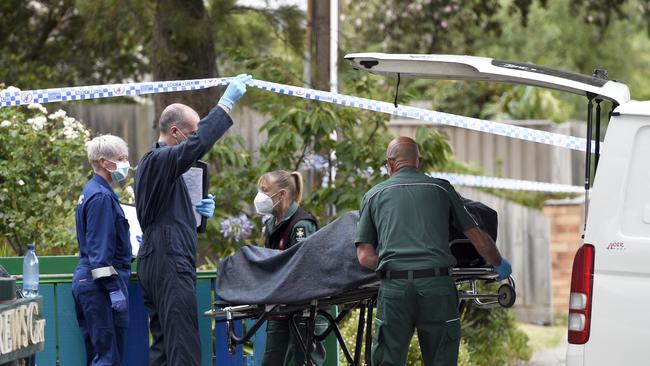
(403,234)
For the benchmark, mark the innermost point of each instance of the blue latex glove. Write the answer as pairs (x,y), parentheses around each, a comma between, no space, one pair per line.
(206,207)
(118,301)
(503,269)
(235,90)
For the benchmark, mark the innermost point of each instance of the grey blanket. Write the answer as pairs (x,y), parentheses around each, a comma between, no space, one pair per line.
(323,265)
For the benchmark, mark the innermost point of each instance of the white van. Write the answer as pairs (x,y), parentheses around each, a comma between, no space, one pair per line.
(610,284)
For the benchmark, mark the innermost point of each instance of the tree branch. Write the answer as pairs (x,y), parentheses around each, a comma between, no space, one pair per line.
(269,17)
(374,131)
(14,242)
(49,26)
(302,156)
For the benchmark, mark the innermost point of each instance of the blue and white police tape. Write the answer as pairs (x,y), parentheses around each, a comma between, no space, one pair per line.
(504,183)
(14,97)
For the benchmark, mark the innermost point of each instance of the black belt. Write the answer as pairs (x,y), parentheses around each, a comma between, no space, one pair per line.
(418,273)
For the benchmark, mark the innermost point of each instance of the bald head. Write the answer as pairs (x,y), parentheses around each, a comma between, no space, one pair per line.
(402,152)
(176,123)
(176,114)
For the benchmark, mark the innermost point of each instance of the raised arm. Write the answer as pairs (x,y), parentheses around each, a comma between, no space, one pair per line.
(179,158)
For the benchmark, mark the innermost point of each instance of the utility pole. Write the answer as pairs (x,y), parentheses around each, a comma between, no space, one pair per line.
(306,64)
(321,45)
(334,46)
(320,35)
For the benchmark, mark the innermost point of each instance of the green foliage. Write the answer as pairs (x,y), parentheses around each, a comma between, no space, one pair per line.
(426,26)
(261,30)
(492,338)
(600,13)
(41,177)
(525,102)
(232,183)
(557,36)
(54,43)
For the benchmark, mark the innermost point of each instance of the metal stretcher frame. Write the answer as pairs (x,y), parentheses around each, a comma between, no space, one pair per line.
(364,299)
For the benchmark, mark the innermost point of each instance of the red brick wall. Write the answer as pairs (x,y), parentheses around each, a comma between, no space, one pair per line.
(566,221)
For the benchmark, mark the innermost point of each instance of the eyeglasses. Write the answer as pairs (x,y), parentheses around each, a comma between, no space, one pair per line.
(385,162)
(191,134)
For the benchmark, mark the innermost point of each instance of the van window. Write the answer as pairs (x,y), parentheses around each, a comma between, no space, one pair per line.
(636,208)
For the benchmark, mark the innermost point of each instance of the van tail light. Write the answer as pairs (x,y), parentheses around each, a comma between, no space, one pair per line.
(582,284)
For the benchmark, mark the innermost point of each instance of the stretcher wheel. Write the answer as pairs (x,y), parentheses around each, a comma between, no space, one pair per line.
(507,295)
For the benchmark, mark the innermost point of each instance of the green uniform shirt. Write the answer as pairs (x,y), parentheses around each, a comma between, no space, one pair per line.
(407,219)
(301,230)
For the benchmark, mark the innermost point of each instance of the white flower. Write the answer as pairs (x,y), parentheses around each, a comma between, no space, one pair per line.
(21,182)
(79,126)
(37,106)
(10,89)
(68,122)
(58,114)
(70,133)
(37,122)
(5,123)
(129,195)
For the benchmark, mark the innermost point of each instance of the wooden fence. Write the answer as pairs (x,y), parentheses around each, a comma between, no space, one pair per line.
(524,239)
(497,155)
(134,123)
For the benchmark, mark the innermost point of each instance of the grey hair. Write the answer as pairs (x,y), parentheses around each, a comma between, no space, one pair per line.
(173,114)
(109,147)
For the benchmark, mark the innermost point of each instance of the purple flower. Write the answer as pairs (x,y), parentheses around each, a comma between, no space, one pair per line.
(237,228)
(316,161)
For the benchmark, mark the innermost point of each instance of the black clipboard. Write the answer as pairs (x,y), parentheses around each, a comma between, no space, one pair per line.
(202,226)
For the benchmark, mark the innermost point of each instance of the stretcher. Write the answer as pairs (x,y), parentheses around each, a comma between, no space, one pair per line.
(469,272)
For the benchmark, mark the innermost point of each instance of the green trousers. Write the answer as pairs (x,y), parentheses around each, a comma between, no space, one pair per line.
(429,305)
(282,348)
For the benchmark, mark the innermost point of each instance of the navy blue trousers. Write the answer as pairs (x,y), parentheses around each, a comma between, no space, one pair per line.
(102,328)
(168,284)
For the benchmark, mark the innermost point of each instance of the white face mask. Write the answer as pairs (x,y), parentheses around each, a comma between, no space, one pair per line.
(264,204)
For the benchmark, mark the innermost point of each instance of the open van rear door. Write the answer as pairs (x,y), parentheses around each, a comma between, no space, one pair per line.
(473,68)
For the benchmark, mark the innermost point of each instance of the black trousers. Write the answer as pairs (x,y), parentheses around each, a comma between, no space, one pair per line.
(168,284)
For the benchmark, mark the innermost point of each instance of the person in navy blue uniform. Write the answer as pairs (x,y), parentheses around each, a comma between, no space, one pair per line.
(167,256)
(99,284)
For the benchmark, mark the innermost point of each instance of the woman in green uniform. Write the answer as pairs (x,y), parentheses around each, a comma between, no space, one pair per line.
(278,197)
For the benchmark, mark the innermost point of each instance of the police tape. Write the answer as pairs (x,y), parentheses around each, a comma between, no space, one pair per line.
(505,183)
(15,97)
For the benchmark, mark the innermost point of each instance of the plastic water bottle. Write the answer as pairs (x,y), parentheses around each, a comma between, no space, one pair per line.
(30,272)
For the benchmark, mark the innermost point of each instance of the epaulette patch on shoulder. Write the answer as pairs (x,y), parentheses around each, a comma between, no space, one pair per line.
(300,234)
